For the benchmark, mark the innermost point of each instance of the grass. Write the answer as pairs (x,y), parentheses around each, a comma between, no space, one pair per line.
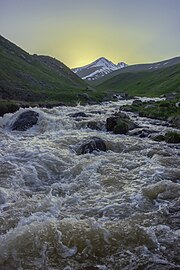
(150,84)
(34,78)
(161,110)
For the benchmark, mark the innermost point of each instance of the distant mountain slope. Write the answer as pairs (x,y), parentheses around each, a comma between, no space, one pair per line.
(139,68)
(144,83)
(32,77)
(97,69)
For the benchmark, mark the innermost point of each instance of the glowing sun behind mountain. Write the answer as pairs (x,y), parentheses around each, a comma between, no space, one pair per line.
(78,32)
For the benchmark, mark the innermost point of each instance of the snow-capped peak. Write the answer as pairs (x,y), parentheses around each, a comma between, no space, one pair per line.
(103,62)
(121,65)
(97,69)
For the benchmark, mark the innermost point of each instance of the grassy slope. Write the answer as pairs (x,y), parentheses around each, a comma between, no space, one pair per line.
(35,78)
(139,68)
(146,83)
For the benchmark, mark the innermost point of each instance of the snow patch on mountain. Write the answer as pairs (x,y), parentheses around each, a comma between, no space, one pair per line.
(97,69)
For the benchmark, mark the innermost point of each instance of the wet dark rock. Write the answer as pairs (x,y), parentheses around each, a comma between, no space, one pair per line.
(121,128)
(123,96)
(172,137)
(96,112)
(89,268)
(126,108)
(173,217)
(78,114)
(8,107)
(171,96)
(25,120)
(2,197)
(158,138)
(91,144)
(95,125)
(111,122)
(120,123)
(168,137)
(141,132)
(137,102)
(175,120)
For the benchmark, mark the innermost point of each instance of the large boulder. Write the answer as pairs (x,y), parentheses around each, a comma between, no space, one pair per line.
(90,145)
(25,120)
(120,123)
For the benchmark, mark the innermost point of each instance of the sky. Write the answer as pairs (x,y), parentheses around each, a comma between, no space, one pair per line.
(78,32)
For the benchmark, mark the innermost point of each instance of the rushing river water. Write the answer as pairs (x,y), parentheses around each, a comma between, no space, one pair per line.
(111,210)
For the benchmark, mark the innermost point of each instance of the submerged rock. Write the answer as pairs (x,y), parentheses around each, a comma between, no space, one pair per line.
(90,145)
(78,114)
(141,132)
(95,125)
(90,268)
(25,120)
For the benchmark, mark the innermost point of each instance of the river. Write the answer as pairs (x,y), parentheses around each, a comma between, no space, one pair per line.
(112,210)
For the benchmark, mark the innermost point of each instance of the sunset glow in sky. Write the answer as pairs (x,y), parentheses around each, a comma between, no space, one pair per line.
(79,31)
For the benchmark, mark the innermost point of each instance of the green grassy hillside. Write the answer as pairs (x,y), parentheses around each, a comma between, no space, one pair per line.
(138,68)
(146,83)
(35,78)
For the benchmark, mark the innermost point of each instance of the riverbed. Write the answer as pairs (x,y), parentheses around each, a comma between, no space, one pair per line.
(112,210)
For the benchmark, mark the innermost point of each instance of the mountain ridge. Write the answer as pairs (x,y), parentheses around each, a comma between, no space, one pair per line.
(139,68)
(35,77)
(97,69)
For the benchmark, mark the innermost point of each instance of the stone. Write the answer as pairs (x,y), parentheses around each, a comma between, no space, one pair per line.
(90,268)
(78,114)
(137,102)
(90,145)
(95,125)
(25,120)
(8,107)
(141,132)
(172,137)
(111,122)
(175,120)
(158,138)
(120,123)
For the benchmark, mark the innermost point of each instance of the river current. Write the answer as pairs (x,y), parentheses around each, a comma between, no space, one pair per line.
(114,210)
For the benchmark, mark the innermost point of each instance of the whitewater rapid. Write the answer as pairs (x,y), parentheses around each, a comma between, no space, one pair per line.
(118,209)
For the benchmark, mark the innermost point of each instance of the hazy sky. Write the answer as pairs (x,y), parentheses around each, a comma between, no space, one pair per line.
(79,31)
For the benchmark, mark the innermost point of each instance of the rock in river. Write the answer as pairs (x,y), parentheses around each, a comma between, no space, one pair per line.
(78,114)
(25,120)
(91,144)
(120,123)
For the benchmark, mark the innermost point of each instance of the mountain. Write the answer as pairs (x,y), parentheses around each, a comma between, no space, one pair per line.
(152,83)
(35,78)
(97,69)
(139,68)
